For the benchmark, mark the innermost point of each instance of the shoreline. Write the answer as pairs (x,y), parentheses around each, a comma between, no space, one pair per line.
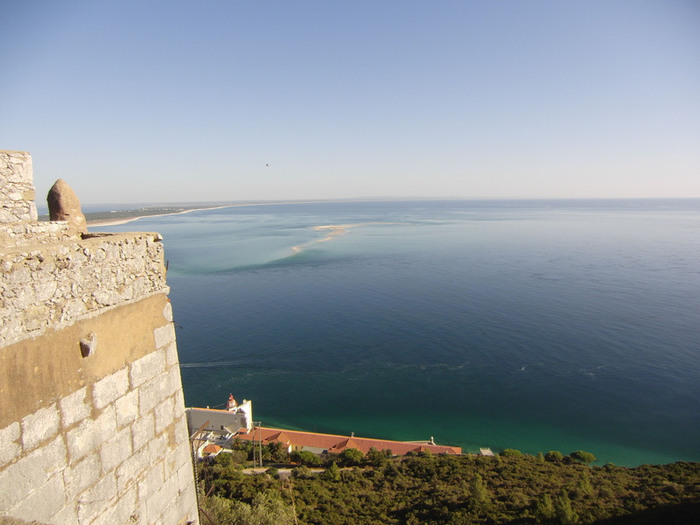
(123,220)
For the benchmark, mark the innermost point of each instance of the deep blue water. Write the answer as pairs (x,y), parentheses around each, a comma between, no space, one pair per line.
(536,325)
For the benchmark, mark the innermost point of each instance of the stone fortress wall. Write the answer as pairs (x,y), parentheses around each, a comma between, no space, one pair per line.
(92,420)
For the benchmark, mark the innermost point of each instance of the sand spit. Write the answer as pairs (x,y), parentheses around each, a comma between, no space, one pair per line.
(333,231)
(124,220)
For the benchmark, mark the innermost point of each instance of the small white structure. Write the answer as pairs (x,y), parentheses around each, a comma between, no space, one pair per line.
(221,425)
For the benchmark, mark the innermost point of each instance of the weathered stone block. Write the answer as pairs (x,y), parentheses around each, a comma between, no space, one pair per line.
(97,499)
(164,413)
(174,381)
(179,403)
(151,482)
(164,335)
(171,357)
(81,475)
(157,445)
(74,407)
(20,479)
(124,510)
(10,448)
(116,450)
(147,367)
(91,433)
(127,408)
(186,505)
(110,388)
(185,474)
(68,514)
(153,392)
(168,312)
(131,470)
(40,426)
(42,503)
(159,501)
(143,430)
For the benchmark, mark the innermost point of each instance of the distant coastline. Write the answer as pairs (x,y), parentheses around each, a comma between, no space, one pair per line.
(123,216)
(96,220)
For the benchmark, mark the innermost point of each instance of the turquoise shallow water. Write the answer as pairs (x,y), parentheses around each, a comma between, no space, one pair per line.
(537,325)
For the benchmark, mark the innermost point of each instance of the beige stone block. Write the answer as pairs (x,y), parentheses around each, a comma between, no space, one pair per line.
(143,431)
(158,447)
(74,407)
(151,482)
(81,475)
(43,503)
(147,368)
(124,510)
(185,477)
(68,514)
(177,457)
(179,403)
(110,388)
(164,414)
(116,450)
(168,312)
(174,381)
(187,504)
(164,335)
(91,433)
(131,470)
(20,479)
(171,356)
(158,502)
(40,426)
(10,448)
(127,408)
(97,499)
(153,392)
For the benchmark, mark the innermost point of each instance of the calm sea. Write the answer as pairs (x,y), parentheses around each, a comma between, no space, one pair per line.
(536,325)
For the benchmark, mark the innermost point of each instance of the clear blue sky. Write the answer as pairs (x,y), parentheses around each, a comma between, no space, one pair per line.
(154,101)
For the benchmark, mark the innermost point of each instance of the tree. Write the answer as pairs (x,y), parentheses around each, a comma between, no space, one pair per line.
(562,507)
(545,507)
(553,456)
(510,453)
(351,457)
(478,489)
(376,458)
(278,452)
(582,456)
(305,458)
(332,473)
(584,484)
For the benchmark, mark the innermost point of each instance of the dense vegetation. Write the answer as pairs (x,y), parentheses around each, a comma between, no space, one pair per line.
(427,489)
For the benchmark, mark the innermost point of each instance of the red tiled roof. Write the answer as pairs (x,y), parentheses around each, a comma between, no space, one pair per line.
(211,449)
(336,444)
